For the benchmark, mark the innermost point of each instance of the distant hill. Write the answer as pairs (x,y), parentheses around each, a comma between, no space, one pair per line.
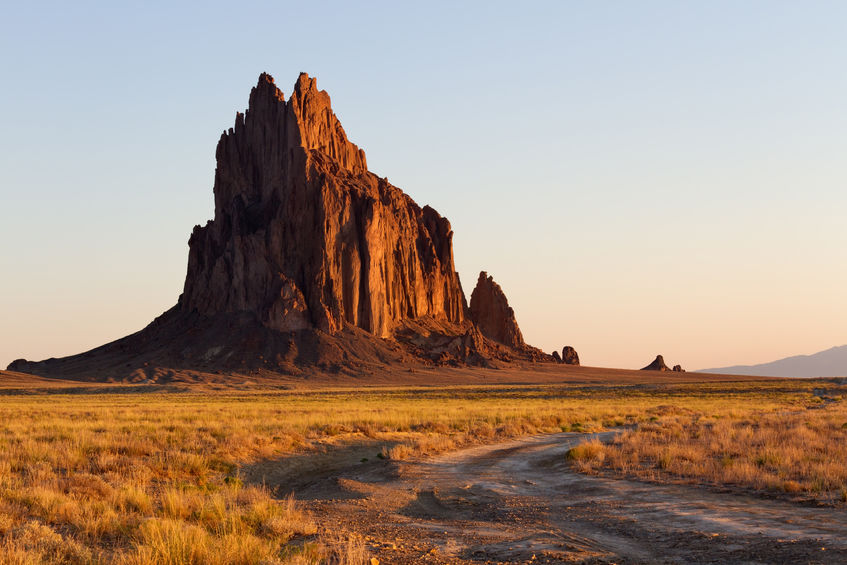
(829,363)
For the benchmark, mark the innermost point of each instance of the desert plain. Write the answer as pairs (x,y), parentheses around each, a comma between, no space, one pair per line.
(546,464)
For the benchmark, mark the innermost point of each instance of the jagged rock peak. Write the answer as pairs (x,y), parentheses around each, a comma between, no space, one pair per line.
(305,119)
(305,237)
(314,125)
(265,89)
(319,127)
(490,311)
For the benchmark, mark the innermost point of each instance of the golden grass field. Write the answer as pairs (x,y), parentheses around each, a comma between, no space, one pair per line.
(153,474)
(798,450)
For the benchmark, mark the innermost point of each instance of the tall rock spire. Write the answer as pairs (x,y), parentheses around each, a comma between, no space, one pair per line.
(491,313)
(304,236)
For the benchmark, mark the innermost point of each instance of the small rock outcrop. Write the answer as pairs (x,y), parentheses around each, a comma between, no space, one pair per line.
(491,313)
(658,364)
(556,357)
(678,369)
(569,356)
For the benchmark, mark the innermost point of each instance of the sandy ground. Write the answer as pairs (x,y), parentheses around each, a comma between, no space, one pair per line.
(519,502)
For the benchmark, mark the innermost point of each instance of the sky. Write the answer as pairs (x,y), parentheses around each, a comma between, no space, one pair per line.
(641,178)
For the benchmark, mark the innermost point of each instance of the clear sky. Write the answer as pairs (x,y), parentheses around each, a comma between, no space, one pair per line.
(639,177)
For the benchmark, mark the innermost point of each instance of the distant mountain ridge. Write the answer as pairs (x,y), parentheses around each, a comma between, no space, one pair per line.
(829,363)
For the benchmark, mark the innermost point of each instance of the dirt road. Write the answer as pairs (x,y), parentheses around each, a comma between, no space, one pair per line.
(519,502)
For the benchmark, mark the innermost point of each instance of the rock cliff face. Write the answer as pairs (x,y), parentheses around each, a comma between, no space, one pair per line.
(304,236)
(490,311)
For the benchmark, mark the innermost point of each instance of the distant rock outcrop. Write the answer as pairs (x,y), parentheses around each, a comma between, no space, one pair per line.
(569,356)
(310,261)
(658,364)
(678,369)
(491,313)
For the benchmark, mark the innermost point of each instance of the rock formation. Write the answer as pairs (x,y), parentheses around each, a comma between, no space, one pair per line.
(310,261)
(569,356)
(678,369)
(658,364)
(491,313)
(304,236)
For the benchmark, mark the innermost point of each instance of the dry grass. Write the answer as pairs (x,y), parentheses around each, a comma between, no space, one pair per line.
(153,477)
(588,453)
(801,450)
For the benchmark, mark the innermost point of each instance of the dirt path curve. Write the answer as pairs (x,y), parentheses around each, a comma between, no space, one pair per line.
(519,502)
